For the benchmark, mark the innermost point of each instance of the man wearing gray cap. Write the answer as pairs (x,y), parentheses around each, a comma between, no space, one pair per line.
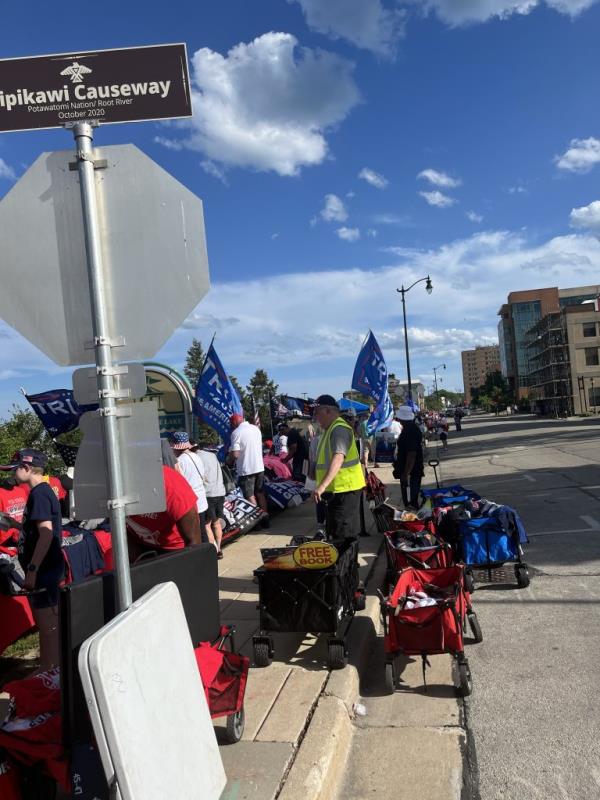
(408,466)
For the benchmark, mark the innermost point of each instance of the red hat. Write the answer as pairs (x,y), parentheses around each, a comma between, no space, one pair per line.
(235,420)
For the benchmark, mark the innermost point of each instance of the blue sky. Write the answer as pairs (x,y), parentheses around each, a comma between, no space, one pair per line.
(342,148)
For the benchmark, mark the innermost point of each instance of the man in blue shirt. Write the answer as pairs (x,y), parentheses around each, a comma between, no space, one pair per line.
(40,551)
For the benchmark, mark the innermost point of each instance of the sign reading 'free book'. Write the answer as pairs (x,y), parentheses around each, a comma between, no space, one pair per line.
(125,85)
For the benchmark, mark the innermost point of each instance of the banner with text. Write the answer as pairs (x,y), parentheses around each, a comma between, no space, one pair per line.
(216,398)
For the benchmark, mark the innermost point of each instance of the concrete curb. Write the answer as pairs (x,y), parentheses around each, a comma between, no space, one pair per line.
(320,763)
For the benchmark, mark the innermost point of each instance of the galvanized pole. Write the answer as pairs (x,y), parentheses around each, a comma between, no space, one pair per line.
(84,135)
(403,292)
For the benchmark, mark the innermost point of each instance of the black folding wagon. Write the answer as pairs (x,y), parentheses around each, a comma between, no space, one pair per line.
(310,601)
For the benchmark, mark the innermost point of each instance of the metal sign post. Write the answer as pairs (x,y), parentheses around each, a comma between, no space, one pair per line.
(99,258)
(103,344)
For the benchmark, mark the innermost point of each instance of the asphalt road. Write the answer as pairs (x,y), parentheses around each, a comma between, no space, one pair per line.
(534,714)
(533,719)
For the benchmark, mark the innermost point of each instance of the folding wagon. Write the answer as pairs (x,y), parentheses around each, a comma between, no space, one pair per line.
(488,543)
(310,601)
(424,630)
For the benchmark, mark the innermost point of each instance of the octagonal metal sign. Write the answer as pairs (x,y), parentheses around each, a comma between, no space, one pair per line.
(154,255)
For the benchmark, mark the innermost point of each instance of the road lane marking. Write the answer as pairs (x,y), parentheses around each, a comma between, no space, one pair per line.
(557,533)
(529,478)
(594,524)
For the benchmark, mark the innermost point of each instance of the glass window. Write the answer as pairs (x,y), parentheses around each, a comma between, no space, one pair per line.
(589,329)
(594,396)
(591,357)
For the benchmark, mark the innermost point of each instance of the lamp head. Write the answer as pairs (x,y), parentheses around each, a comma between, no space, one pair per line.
(429,286)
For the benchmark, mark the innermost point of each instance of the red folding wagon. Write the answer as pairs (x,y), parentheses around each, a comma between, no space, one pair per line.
(411,629)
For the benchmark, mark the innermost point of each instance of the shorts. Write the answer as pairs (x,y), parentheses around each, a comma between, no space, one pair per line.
(250,484)
(50,581)
(214,512)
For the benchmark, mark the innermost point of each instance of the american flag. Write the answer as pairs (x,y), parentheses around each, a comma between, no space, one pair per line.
(67,452)
(255,414)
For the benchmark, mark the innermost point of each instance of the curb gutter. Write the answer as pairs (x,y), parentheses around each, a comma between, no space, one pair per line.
(320,762)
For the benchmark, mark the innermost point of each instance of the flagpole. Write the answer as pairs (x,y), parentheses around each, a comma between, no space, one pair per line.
(271,413)
(205,358)
(195,431)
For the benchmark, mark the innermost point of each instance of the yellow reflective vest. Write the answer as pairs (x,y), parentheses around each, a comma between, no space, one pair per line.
(351,476)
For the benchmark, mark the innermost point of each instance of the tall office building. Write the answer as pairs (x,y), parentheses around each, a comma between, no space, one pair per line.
(518,315)
(477,364)
(564,354)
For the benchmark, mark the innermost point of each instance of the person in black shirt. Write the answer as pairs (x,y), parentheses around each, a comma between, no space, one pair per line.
(40,551)
(297,452)
(408,466)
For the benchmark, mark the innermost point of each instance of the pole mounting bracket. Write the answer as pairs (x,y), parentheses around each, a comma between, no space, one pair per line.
(105,341)
(97,163)
(115,394)
(121,502)
(123,369)
(115,411)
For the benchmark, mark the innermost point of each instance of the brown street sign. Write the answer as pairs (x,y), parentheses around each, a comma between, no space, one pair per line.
(126,85)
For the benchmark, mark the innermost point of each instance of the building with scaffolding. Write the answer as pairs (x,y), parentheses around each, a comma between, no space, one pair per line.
(518,315)
(564,360)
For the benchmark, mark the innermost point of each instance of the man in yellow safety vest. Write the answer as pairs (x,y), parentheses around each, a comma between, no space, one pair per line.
(339,475)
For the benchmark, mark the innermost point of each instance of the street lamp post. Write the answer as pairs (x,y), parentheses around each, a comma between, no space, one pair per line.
(435,369)
(403,291)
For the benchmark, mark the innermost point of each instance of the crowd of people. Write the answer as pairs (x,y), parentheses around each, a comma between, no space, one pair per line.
(329,456)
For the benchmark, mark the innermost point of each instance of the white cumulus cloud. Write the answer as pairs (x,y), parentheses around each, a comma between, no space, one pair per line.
(464,12)
(263,331)
(374,178)
(6,171)
(367,24)
(473,216)
(440,179)
(438,199)
(267,104)
(348,234)
(334,209)
(586,216)
(581,155)
(213,169)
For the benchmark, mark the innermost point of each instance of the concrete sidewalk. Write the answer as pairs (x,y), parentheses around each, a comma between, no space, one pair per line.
(282,699)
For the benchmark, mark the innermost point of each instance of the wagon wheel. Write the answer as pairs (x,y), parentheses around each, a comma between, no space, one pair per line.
(262,652)
(475,626)
(390,678)
(522,576)
(235,726)
(336,654)
(464,679)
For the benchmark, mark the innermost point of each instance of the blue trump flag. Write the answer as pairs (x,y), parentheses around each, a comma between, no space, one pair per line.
(371,378)
(216,398)
(57,410)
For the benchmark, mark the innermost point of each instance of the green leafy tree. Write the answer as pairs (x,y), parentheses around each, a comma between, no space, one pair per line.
(194,362)
(246,403)
(261,388)
(436,400)
(23,429)
(359,397)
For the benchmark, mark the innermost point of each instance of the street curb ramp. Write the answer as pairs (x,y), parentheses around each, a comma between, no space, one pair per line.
(320,764)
